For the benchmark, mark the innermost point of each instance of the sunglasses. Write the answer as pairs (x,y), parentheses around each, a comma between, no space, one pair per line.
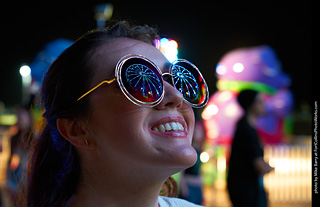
(141,81)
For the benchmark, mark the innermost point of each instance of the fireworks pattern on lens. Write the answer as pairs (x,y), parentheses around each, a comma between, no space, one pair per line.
(185,82)
(143,79)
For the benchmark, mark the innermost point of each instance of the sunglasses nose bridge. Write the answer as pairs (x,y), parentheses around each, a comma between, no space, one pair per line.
(167,77)
(165,74)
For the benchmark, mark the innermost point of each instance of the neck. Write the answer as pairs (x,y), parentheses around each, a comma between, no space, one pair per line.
(117,188)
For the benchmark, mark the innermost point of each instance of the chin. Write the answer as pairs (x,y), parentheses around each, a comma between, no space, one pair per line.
(183,158)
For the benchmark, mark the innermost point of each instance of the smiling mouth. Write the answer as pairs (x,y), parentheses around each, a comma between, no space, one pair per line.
(169,127)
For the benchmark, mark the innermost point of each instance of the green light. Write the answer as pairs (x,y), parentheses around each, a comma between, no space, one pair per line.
(237,86)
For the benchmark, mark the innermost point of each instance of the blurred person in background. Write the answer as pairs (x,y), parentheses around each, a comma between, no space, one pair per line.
(20,142)
(14,155)
(247,167)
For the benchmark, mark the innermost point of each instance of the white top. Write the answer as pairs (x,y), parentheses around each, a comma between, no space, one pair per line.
(174,202)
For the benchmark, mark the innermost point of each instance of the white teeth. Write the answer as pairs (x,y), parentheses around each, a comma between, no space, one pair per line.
(161,128)
(180,127)
(168,127)
(172,126)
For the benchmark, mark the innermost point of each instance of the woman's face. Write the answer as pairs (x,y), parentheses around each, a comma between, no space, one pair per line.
(132,135)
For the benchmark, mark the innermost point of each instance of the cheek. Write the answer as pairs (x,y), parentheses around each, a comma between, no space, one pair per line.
(118,121)
(188,114)
(117,127)
(259,109)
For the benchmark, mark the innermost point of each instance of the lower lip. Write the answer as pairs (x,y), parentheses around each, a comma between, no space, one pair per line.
(173,134)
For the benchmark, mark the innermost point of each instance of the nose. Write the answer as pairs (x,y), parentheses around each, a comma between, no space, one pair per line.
(172,97)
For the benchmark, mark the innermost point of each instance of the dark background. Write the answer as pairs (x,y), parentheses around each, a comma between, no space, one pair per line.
(204,32)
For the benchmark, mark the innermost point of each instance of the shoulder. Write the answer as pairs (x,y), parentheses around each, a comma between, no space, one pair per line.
(175,202)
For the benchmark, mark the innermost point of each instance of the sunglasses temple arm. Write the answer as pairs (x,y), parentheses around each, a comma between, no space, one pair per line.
(97,86)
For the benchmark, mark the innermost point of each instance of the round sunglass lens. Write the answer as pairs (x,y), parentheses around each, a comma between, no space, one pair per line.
(188,80)
(185,82)
(142,81)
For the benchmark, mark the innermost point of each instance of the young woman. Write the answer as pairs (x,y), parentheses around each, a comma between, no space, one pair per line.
(119,122)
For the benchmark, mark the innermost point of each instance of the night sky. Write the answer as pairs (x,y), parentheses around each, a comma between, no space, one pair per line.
(204,32)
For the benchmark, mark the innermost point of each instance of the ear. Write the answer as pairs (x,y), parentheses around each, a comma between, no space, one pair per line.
(75,132)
